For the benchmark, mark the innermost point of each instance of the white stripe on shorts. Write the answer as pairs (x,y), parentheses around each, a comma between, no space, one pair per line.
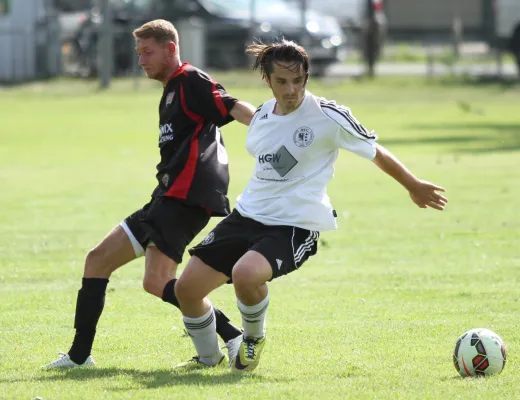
(304,247)
(138,249)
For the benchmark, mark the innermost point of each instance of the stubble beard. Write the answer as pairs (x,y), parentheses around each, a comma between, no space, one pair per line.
(162,74)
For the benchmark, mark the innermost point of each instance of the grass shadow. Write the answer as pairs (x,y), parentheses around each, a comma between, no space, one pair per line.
(452,378)
(483,80)
(146,379)
(503,137)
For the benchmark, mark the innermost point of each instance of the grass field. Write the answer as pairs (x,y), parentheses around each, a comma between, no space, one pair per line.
(374,315)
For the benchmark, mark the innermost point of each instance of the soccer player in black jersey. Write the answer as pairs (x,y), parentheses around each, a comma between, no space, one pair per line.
(192,184)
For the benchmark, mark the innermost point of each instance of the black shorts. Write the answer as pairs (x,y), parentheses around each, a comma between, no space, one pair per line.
(171,224)
(285,247)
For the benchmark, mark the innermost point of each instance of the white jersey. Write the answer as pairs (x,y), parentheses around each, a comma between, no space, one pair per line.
(295,156)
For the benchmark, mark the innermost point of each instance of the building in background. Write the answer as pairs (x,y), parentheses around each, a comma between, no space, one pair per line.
(29,40)
(416,19)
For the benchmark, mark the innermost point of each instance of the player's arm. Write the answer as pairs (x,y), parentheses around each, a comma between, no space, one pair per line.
(423,193)
(243,112)
(353,136)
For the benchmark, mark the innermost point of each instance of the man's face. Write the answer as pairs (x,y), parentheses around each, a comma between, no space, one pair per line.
(287,85)
(154,57)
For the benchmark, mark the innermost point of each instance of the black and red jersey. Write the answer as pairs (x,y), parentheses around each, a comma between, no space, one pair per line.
(194,162)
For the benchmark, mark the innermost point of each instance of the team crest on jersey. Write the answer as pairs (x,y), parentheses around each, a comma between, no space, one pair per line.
(165,179)
(169,98)
(208,239)
(303,136)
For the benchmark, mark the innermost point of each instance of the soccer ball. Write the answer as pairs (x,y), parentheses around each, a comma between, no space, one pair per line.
(479,352)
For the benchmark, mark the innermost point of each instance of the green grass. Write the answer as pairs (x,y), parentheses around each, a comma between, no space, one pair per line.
(374,315)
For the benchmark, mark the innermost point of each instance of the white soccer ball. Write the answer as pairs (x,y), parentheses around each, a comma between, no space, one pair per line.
(479,352)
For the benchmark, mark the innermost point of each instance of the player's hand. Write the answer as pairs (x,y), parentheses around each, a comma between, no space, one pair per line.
(425,195)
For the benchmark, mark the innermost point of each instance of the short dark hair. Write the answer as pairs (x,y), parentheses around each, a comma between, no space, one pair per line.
(280,51)
(161,30)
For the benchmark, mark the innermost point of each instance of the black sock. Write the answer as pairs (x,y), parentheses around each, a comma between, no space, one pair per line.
(225,329)
(168,294)
(89,306)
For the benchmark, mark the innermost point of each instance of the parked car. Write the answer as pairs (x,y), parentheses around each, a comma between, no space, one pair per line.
(353,16)
(321,35)
(229,25)
(507,27)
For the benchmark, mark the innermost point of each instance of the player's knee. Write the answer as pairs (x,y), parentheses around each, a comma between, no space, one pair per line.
(245,276)
(95,263)
(184,291)
(153,285)
(148,285)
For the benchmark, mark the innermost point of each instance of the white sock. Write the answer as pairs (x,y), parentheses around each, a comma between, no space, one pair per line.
(253,318)
(203,333)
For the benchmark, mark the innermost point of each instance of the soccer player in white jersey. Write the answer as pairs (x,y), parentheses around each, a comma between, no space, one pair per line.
(295,139)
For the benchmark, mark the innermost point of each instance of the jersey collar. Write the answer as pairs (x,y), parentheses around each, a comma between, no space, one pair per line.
(305,98)
(180,70)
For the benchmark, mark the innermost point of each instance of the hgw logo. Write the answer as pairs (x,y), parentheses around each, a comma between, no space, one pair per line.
(166,133)
(270,158)
(282,161)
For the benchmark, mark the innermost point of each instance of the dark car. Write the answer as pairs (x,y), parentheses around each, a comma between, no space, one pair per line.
(232,23)
(228,25)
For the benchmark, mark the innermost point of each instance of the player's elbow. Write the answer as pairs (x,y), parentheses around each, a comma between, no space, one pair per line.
(243,113)
(380,156)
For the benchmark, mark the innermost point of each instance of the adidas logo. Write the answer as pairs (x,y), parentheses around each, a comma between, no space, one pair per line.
(263,117)
(279,262)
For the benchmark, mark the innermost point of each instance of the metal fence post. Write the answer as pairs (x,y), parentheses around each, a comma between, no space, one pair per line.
(105,51)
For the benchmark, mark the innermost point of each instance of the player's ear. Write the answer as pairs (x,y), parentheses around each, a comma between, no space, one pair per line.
(172,47)
(268,81)
(307,76)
